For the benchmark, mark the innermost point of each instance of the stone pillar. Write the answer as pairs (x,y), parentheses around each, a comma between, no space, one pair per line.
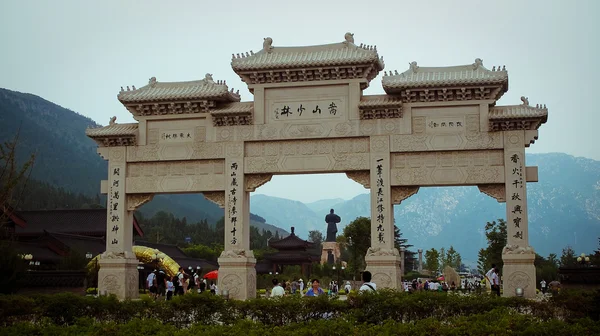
(118,272)
(383,259)
(420,260)
(518,256)
(237,273)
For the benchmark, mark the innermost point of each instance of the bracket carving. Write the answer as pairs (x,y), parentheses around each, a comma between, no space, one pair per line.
(497,191)
(399,194)
(135,201)
(217,197)
(361,176)
(254,181)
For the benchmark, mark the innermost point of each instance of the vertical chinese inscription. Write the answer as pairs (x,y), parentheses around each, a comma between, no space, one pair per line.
(516,206)
(516,188)
(115,203)
(379,202)
(232,212)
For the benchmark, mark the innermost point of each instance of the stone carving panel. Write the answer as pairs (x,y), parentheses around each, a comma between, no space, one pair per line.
(382,280)
(205,150)
(117,154)
(132,284)
(307,155)
(217,197)
(518,279)
(254,181)
(232,283)
(251,285)
(135,201)
(497,191)
(111,284)
(448,168)
(362,177)
(175,176)
(399,194)
(143,153)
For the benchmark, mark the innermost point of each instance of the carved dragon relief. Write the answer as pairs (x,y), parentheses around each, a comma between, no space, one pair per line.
(217,197)
(399,194)
(135,201)
(254,181)
(361,176)
(497,191)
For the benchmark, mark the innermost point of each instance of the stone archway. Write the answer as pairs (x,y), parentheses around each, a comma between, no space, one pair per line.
(436,126)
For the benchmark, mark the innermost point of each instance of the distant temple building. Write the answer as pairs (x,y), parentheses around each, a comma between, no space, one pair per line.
(292,251)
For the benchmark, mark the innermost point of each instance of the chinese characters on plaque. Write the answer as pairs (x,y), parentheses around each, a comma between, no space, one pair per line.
(306,110)
(233,209)
(380,203)
(114,202)
(516,178)
(176,136)
(445,124)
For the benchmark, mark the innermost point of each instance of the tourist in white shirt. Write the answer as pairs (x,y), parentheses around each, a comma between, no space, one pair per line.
(277,289)
(367,286)
(301,285)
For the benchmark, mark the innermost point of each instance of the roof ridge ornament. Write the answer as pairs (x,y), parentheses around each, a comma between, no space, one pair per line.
(349,37)
(525,101)
(208,79)
(478,63)
(112,120)
(268,44)
(152,81)
(413,66)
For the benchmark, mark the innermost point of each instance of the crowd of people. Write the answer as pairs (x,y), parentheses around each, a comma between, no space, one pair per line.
(314,288)
(159,284)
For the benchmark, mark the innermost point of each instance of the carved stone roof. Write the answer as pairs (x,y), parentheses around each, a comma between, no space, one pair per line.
(417,77)
(204,89)
(310,63)
(234,108)
(518,112)
(114,135)
(113,130)
(379,100)
(311,56)
(517,117)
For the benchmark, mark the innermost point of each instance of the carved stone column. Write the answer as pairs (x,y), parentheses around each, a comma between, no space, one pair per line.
(518,256)
(402,250)
(383,259)
(118,272)
(237,273)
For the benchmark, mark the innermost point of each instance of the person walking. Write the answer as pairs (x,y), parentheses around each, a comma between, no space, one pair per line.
(301,285)
(277,289)
(367,285)
(495,282)
(543,286)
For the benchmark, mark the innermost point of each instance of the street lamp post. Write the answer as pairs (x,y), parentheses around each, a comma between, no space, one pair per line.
(583,259)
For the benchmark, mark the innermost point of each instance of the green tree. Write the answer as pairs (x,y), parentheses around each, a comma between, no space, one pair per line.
(496,237)
(432,260)
(568,258)
(452,259)
(13,177)
(358,236)
(482,263)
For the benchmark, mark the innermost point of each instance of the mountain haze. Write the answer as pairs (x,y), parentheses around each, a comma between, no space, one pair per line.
(564,209)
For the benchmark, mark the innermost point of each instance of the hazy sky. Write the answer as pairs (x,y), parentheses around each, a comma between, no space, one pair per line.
(78,53)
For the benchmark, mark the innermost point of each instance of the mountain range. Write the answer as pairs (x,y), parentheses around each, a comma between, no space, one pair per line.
(564,206)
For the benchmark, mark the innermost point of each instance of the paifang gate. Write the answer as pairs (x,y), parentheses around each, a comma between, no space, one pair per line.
(435,126)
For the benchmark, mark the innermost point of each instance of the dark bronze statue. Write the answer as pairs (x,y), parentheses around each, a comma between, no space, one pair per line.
(332,220)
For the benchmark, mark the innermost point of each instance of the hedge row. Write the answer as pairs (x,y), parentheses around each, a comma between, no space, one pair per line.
(500,321)
(371,309)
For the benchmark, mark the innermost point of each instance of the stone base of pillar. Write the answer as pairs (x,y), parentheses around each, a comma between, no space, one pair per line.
(519,272)
(238,276)
(385,270)
(334,247)
(118,276)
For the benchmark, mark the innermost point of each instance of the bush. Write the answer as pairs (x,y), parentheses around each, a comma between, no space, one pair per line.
(377,312)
